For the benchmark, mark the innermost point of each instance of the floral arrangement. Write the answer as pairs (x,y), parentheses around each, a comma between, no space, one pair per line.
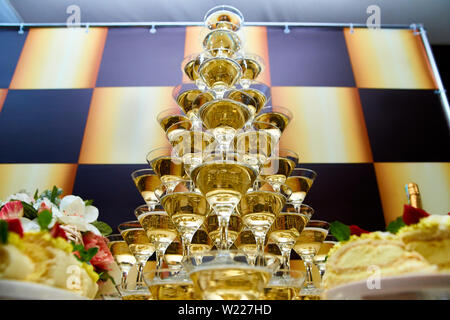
(411,215)
(69,217)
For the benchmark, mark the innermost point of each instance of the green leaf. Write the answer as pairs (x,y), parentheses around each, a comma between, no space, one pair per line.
(103,227)
(88,202)
(3,231)
(90,253)
(29,211)
(395,225)
(36,194)
(340,231)
(44,219)
(85,255)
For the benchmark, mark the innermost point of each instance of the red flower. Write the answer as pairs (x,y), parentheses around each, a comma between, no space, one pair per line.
(44,207)
(11,210)
(103,258)
(57,231)
(355,230)
(15,225)
(413,215)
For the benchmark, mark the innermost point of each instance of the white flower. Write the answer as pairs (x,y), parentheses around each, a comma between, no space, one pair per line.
(29,225)
(73,211)
(21,196)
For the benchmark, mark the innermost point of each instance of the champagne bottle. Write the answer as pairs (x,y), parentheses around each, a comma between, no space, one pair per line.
(413,193)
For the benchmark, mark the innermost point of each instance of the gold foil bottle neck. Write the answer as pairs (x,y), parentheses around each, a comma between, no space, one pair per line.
(413,193)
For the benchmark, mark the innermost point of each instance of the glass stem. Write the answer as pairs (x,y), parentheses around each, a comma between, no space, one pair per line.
(259,250)
(186,239)
(140,273)
(309,282)
(286,260)
(124,279)
(223,225)
(159,259)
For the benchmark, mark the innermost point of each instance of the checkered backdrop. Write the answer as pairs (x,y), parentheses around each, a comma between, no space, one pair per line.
(78,110)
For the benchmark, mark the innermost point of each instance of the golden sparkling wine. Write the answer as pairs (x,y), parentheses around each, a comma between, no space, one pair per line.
(191,100)
(224,113)
(244,98)
(230,283)
(224,20)
(168,121)
(287,227)
(246,242)
(138,296)
(250,68)
(234,227)
(272,250)
(159,228)
(147,184)
(259,97)
(223,182)
(276,170)
(200,242)
(174,253)
(276,118)
(218,40)
(279,292)
(190,69)
(219,72)
(299,187)
(259,208)
(168,168)
(138,243)
(310,241)
(122,254)
(187,210)
(254,147)
(321,255)
(164,290)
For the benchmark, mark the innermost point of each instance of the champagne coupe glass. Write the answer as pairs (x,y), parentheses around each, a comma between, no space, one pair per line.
(219,71)
(190,146)
(223,180)
(252,65)
(259,208)
(287,227)
(167,166)
(187,208)
(224,117)
(257,143)
(159,229)
(277,115)
(300,181)
(170,284)
(273,250)
(307,246)
(223,17)
(201,242)
(246,242)
(190,65)
(278,167)
(173,256)
(244,98)
(259,92)
(222,41)
(214,232)
(147,183)
(281,287)
(320,258)
(139,245)
(190,98)
(168,117)
(232,278)
(122,255)
(177,128)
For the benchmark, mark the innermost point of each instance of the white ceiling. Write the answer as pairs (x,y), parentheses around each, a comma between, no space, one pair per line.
(433,14)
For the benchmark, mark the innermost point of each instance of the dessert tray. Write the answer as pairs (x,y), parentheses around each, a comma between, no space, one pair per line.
(411,287)
(20,290)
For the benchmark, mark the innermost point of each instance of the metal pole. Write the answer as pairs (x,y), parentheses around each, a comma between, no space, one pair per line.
(437,77)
